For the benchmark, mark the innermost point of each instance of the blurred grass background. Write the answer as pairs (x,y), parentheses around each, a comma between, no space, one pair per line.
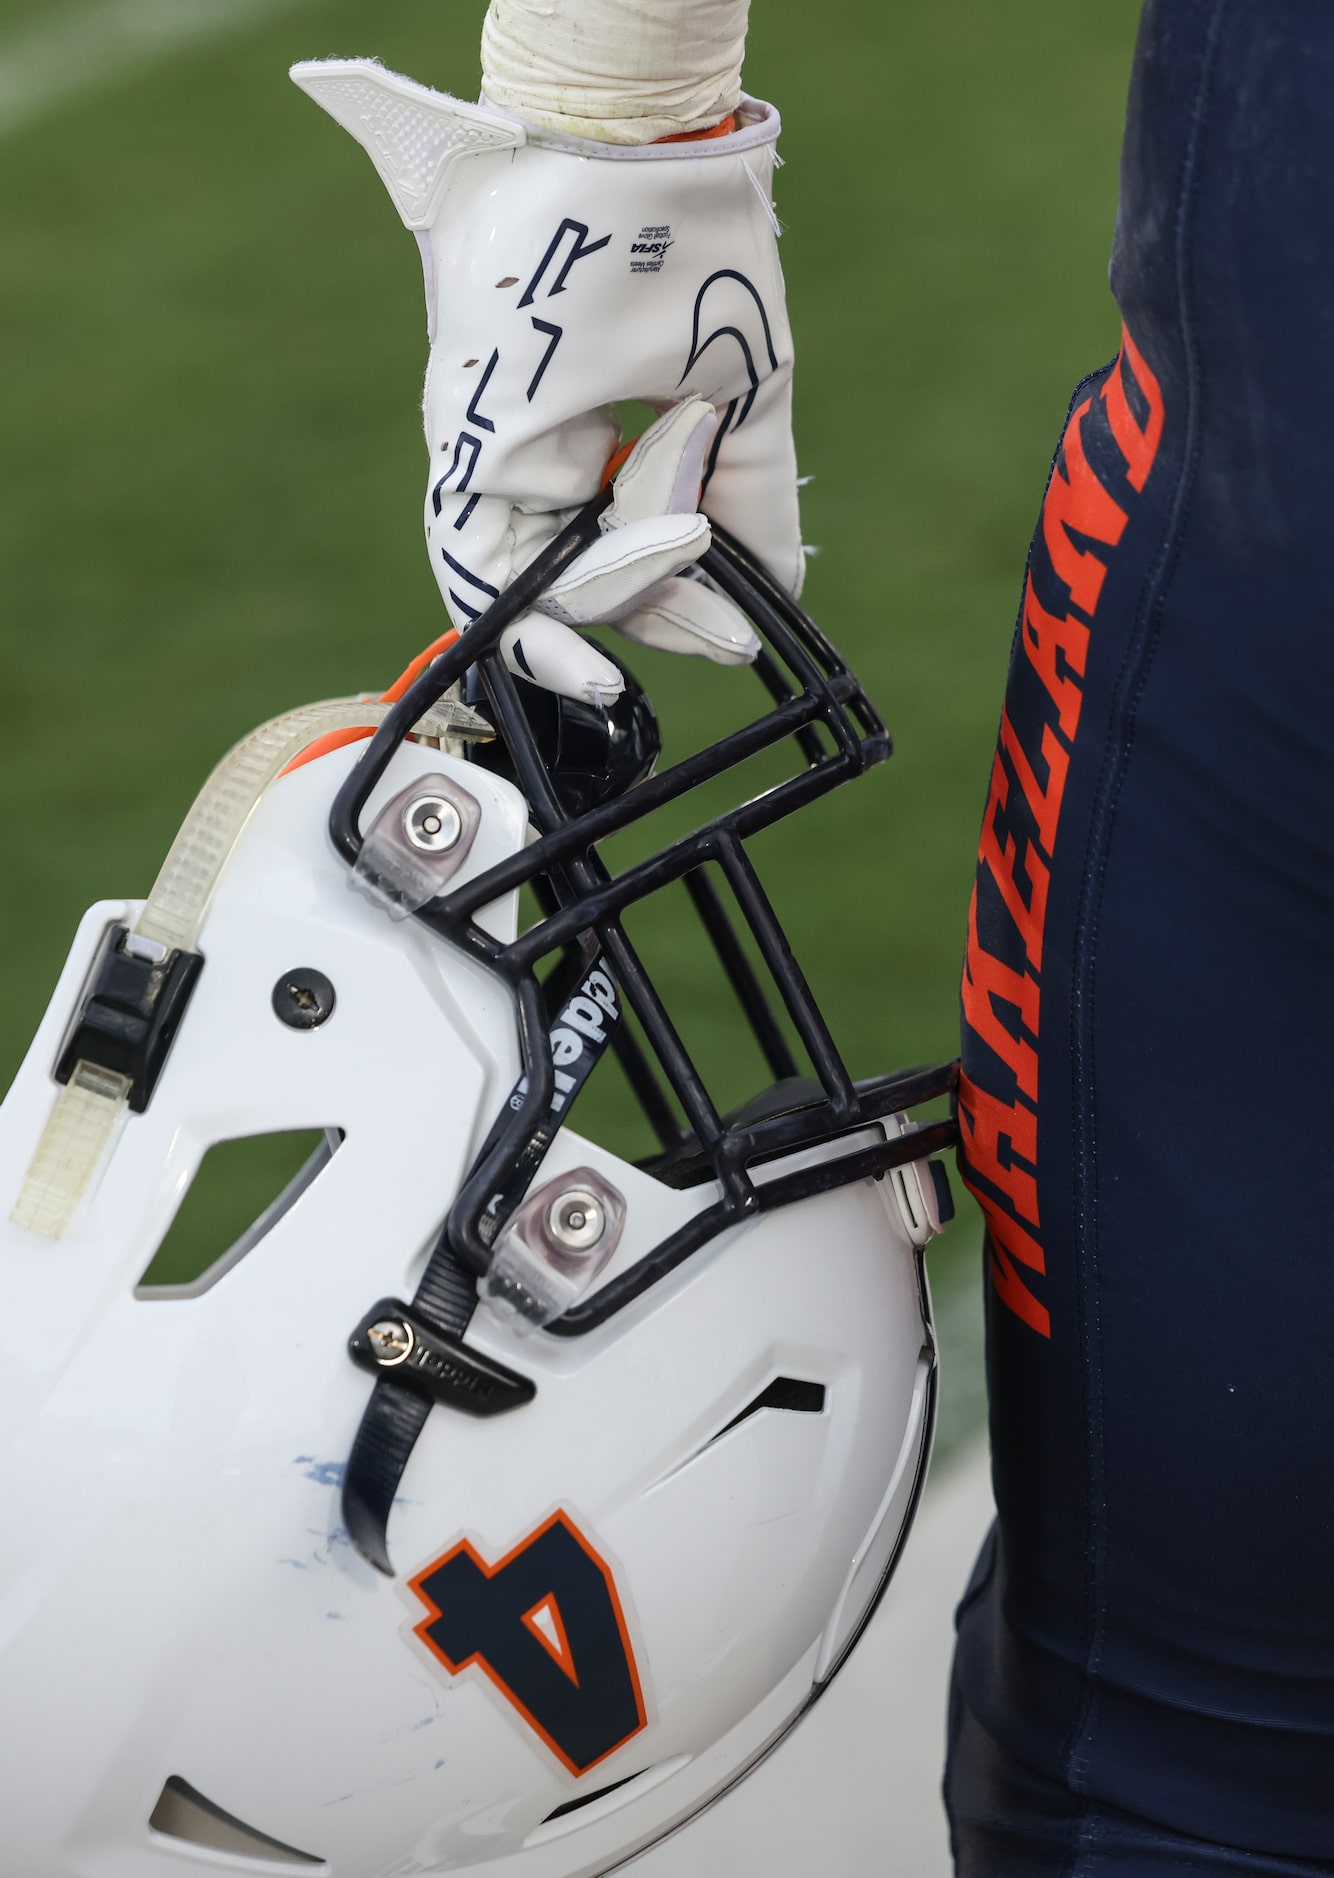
(211,459)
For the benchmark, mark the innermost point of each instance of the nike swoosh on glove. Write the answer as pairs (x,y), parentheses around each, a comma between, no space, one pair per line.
(562,277)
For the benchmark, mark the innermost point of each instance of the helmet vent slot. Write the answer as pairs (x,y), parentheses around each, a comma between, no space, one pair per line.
(791,1395)
(587,1799)
(241,1189)
(587,1808)
(784,1392)
(183,1813)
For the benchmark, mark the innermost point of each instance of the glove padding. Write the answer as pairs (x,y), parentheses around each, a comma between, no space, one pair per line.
(630,577)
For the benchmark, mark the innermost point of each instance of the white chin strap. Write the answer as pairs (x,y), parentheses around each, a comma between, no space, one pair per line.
(616,71)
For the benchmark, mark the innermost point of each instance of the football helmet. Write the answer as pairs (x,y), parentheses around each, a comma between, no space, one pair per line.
(641,1437)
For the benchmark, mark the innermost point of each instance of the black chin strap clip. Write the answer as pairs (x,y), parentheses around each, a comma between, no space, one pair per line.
(396,1341)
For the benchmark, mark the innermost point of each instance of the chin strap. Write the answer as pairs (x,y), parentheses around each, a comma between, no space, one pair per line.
(396,1413)
(416,1352)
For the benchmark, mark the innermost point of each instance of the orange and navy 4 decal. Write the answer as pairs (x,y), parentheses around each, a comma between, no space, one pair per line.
(1082,522)
(544,1624)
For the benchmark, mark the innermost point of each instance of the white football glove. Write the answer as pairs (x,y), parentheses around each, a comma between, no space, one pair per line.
(564,276)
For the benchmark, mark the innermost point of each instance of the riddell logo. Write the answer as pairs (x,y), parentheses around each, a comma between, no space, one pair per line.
(649,250)
(587,1018)
(1082,522)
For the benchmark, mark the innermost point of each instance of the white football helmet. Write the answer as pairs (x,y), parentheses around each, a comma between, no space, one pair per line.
(643,1493)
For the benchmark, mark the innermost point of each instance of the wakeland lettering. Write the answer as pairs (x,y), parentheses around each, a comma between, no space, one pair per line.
(1082,524)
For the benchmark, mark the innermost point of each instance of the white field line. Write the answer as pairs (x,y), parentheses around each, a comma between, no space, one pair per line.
(69,50)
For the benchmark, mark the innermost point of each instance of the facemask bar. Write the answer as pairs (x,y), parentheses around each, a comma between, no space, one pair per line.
(588,904)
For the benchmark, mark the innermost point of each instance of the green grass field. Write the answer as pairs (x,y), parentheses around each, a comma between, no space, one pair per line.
(211,458)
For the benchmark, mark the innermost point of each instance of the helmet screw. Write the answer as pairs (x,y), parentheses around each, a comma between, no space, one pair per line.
(303,999)
(433,824)
(390,1340)
(576,1220)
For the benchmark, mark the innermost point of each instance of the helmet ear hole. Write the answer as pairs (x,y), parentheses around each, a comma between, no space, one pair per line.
(240,1191)
(182,1813)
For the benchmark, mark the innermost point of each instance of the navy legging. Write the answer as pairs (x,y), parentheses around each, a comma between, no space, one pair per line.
(1144,1679)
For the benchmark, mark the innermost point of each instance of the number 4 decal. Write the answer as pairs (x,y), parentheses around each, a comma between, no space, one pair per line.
(545,1625)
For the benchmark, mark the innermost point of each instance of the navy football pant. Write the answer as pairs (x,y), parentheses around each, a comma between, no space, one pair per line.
(1144,1679)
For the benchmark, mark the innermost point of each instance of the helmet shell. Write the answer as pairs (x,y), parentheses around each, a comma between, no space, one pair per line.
(179,1601)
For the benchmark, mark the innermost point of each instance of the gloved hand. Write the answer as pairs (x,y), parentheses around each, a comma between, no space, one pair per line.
(650,532)
(564,276)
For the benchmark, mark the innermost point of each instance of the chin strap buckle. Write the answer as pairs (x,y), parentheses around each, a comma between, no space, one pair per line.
(129,1011)
(394,1341)
(132,1005)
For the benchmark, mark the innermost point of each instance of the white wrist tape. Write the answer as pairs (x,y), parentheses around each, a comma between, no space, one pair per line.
(617,71)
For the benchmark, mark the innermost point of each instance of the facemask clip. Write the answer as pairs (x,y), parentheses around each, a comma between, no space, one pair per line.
(553,1248)
(416,845)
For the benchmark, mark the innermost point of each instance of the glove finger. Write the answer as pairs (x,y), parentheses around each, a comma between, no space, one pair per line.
(559,660)
(686,616)
(609,579)
(662,474)
(752,487)
(474,552)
